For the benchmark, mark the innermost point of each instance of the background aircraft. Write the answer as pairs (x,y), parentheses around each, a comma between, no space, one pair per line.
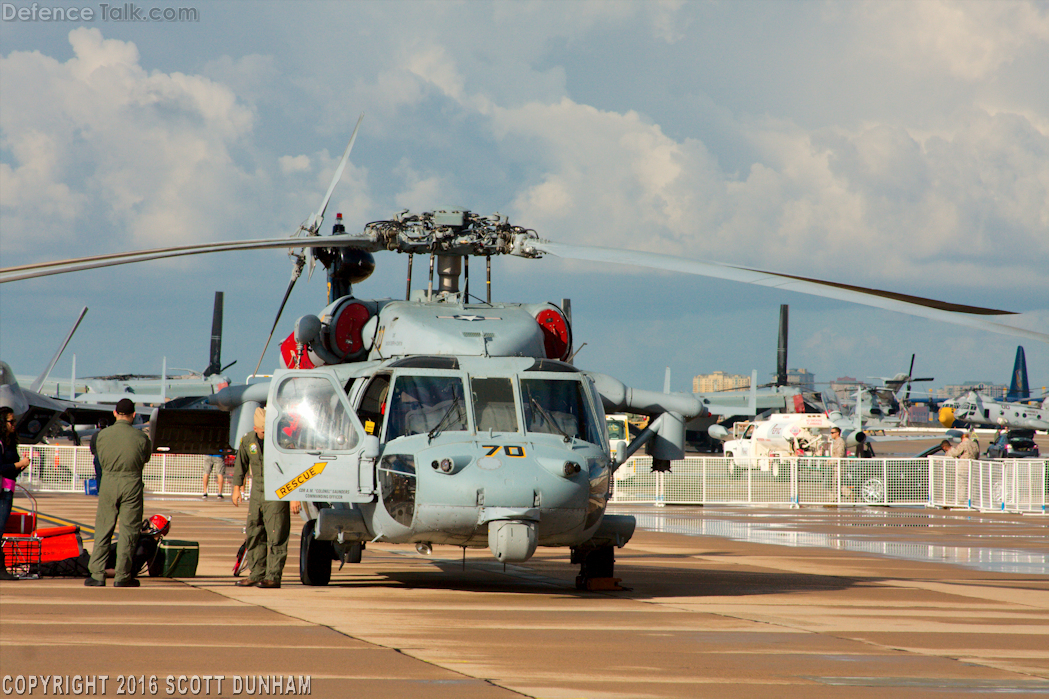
(40,416)
(183,386)
(1018,411)
(977,409)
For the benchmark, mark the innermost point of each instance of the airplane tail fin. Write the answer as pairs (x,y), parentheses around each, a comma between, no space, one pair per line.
(54,360)
(215,365)
(1018,387)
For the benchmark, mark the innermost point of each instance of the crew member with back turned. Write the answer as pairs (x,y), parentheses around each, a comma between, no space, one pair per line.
(123,452)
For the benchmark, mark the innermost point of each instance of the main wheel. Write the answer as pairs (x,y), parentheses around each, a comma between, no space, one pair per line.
(314,557)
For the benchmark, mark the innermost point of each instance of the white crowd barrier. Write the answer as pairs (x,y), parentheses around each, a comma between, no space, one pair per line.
(1014,485)
(61,469)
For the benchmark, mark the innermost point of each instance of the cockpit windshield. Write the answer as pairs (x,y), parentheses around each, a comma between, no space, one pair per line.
(558,406)
(312,416)
(424,404)
(494,406)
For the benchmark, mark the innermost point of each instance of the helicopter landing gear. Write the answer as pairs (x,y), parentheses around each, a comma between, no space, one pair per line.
(315,557)
(596,566)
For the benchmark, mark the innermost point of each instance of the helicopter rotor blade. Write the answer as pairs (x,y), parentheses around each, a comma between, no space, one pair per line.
(338,175)
(910,374)
(43,269)
(296,273)
(957,314)
(314,227)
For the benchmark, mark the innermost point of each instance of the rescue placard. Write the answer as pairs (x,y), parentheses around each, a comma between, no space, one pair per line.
(314,470)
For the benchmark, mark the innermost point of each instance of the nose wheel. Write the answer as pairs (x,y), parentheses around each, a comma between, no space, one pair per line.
(596,567)
(315,557)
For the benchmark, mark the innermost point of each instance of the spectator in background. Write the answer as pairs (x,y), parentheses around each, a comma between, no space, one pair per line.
(11,466)
(215,463)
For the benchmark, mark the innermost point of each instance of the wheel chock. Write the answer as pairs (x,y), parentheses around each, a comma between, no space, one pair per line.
(604,585)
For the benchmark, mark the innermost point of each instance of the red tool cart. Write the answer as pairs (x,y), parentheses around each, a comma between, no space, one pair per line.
(26,545)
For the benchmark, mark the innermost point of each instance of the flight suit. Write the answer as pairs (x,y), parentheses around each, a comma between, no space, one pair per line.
(269,521)
(123,452)
(965,451)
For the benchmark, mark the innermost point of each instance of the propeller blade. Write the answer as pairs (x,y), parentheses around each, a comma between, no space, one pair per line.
(957,314)
(910,373)
(291,284)
(338,175)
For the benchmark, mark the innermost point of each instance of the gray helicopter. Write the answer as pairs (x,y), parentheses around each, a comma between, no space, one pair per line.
(447,419)
(442,420)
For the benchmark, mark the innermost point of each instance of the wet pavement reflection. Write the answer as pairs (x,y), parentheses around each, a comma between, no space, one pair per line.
(972,540)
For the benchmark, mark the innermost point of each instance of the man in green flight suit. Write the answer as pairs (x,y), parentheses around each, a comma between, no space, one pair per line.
(122,452)
(269,521)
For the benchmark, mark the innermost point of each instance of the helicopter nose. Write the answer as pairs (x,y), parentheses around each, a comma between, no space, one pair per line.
(946,416)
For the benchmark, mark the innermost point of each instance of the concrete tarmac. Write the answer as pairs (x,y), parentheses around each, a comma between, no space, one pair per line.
(704,616)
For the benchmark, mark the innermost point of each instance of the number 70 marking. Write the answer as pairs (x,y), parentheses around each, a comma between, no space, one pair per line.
(513,450)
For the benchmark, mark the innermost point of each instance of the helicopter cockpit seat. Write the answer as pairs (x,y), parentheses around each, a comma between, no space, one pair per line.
(497,417)
(425,419)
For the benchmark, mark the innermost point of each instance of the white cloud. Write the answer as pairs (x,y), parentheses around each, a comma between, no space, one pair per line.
(149,151)
(970,40)
(296,163)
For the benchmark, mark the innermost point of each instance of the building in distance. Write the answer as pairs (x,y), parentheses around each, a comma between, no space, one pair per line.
(719,381)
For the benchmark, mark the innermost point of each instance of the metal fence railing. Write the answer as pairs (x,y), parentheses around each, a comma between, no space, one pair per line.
(1011,485)
(1015,485)
(62,469)
(1018,485)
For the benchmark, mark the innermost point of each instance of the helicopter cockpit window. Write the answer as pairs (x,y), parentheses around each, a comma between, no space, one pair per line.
(616,428)
(494,408)
(558,407)
(373,404)
(312,416)
(422,404)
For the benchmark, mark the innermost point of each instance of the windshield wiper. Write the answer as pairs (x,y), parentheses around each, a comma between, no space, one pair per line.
(546,416)
(444,420)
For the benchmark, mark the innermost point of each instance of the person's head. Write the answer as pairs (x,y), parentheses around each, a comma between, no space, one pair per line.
(7,423)
(945,445)
(835,432)
(260,422)
(124,410)
(965,437)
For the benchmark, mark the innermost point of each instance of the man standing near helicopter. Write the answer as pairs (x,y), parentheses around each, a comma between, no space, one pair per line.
(123,452)
(269,522)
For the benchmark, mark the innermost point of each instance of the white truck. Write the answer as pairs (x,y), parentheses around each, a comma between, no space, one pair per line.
(765,445)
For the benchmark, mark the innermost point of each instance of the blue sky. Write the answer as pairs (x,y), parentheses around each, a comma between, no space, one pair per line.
(894,145)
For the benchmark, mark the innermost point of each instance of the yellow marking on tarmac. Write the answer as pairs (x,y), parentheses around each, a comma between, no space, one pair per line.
(314,470)
(57,521)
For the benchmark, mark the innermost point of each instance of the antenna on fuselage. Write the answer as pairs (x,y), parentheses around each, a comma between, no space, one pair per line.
(408,289)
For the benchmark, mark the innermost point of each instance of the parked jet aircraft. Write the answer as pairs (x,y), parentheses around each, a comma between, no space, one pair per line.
(40,416)
(146,389)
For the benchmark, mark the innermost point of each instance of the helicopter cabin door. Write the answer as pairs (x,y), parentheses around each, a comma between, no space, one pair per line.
(316,448)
